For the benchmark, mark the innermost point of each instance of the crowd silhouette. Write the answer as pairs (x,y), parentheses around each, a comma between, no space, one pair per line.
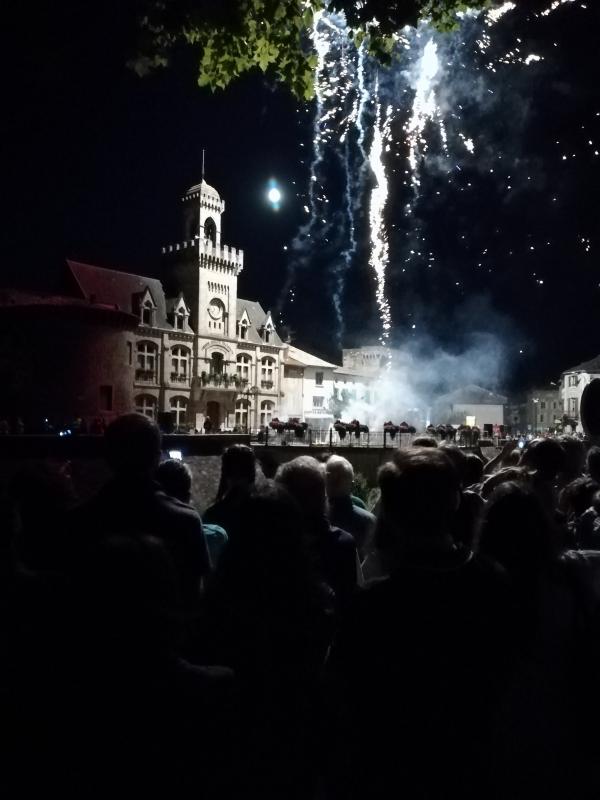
(292,644)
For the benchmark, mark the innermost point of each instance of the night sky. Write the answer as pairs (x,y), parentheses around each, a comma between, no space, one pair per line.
(96,160)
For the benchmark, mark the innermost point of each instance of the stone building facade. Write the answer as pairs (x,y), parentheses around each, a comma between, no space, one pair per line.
(199,351)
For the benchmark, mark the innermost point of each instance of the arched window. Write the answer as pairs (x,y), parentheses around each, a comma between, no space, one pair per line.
(266,412)
(146,404)
(216,364)
(266,372)
(180,363)
(243,366)
(242,412)
(147,316)
(210,230)
(147,360)
(179,409)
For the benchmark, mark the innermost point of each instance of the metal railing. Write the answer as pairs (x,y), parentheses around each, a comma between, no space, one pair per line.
(328,438)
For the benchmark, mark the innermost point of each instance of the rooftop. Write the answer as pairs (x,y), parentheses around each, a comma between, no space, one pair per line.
(473,395)
(593,365)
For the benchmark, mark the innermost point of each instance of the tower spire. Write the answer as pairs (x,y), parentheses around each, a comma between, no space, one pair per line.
(202,163)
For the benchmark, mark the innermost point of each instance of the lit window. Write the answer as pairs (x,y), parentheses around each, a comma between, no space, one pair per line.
(147,358)
(146,404)
(243,366)
(147,313)
(266,373)
(266,412)
(180,360)
(242,409)
(573,406)
(179,409)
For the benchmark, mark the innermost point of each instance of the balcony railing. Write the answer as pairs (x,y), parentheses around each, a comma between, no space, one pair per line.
(223,381)
(146,375)
(266,384)
(176,377)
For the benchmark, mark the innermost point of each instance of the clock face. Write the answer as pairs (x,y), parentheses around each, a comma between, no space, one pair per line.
(215,309)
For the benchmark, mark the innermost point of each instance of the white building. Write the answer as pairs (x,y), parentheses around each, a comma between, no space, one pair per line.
(573,382)
(200,350)
(471,405)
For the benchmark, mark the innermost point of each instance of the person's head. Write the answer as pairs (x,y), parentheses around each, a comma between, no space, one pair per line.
(546,457)
(304,479)
(512,458)
(459,458)
(132,445)
(516,531)
(270,547)
(593,463)
(424,441)
(504,475)
(238,469)
(339,477)
(574,450)
(578,495)
(175,477)
(472,470)
(420,495)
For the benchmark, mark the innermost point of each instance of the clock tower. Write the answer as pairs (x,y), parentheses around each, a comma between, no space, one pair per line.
(202,268)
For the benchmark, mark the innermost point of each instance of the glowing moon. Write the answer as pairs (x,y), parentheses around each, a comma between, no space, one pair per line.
(274,195)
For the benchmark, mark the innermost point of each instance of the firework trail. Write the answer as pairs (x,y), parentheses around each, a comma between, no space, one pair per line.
(379,195)
(353,129)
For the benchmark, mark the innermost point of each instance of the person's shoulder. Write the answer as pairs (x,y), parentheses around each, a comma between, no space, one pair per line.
(341,537)
(173,505)
(363,515)
(357,502)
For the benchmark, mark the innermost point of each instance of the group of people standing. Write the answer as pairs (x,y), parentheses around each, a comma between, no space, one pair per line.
(289,642)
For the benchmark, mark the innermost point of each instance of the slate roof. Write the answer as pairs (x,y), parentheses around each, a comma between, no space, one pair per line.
(593,365)
(296,357)
(122,290)
(257,316)
(473,395)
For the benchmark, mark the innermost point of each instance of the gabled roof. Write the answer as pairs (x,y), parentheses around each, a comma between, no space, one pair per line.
(473,395)
(296,357)
(593,365)
(118,289)
(257,316)
(353,373)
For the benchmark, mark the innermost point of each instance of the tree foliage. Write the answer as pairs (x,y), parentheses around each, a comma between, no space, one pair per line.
(236,36)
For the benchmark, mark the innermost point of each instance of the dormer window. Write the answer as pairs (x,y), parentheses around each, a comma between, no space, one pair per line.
(179,320)
(147,315)
(268,329)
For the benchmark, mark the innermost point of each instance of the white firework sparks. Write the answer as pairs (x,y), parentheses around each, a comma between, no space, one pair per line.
(553,6)
(425,109)
(378,234)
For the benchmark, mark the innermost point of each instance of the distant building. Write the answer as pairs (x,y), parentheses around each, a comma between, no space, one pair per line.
(573,382)
(186,347)
(470,405)
(543,409)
